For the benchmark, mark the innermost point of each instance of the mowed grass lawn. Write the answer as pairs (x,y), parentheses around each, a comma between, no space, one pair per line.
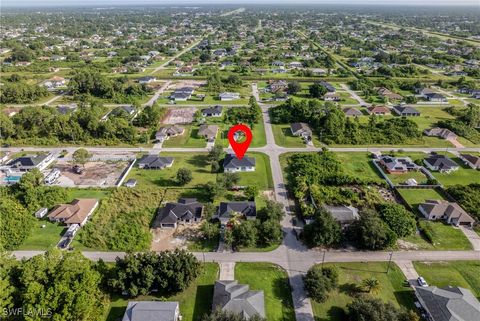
(359,165)
(351,276)
(194,301)
(189,139)
(284,137)
(463,176)
(201,172)
(446,237)
(273,280)
(43,238)
(465,274)
(415,197)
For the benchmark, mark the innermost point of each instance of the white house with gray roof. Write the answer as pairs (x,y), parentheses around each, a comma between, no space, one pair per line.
(448,303)
(238,298)
(152,311)
(232,164)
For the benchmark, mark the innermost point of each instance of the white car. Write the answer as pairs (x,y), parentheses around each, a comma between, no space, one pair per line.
(422,282)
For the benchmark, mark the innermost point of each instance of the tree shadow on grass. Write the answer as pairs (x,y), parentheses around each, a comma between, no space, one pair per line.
(203,301)
(200,162)
(282,291)
(350,289)
(115,314)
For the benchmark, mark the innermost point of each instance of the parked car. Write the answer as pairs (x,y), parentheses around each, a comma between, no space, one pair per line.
(77,169)
(422,282)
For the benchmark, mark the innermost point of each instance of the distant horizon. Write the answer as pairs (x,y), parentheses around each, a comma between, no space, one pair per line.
(97,3)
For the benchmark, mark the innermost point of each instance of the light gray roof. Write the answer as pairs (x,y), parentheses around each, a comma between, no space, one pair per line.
(300,128)
(150,311)
(238,298)
(342,213)
(449,303)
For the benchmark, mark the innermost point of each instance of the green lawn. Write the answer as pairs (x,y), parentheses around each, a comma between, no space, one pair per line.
(463,176)
(415,197)
(359,165)
(201,171)
(351,276)
(446,237)
(401,178)
(188,139)
(43,238)
(194,301)
(284,137)
(273,280)
(88,193)
(465,274)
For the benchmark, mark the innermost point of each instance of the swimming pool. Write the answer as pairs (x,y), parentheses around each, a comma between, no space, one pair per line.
(12,179)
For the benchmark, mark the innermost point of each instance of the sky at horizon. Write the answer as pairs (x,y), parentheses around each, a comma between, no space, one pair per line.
(59,3)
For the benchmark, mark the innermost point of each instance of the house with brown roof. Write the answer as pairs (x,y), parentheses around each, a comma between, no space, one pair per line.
(470,160)
(378,110)
(440,132)
(451,212)
(77,212)
(387,93)
(209,132)
(353,112)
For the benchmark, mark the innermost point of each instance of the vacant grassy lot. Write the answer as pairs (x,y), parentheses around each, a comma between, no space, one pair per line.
(194,301)
(401,178)
(459,273)
(350,278)
(359,165)
(201,172)
(43,238)
(88,193)
(273,280)
(446,237)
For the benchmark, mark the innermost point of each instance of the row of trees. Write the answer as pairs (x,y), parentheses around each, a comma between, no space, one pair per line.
(67,286)
(21,93)
(250,115)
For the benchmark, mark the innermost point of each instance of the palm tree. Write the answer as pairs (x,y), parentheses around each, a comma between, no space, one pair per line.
(371,285)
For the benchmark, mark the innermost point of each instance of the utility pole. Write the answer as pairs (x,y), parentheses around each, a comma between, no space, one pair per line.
(389,261)
(323,259)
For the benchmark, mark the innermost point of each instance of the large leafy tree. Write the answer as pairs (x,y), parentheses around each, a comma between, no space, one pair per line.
(323,231)
(219,315)
(319,281)
(366,308)
(370,232)
(15,221)
(62,283)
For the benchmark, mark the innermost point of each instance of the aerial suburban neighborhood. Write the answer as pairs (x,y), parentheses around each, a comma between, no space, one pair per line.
(239,161)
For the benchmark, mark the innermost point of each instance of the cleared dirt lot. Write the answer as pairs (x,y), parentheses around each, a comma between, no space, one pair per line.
(184,115)
(94,174)
(170,238)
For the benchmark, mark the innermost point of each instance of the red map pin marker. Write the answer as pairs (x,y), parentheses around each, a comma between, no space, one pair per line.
(240,148)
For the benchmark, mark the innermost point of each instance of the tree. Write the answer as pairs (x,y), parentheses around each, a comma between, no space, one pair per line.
(372,309)
(81,156)
(316,90)
(293,87)
(184,176)
(215,153)
(272,211)
(251,192)
(370,232)
(169,272)
(371,284)
(210,230)
(323,231)
(7,290)
(269,232)
(213,190)
(63,284)
(245,234)
(16,223)
(230,180)
(398,218)
(319,281)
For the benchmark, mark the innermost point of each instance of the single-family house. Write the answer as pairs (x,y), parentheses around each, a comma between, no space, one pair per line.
(343,215)
(440,132)
(236,298)
(471,160)
(387,93)
(209,132)
(228,209)
(352,112)
(301,129)
(29,162)
(394,165)
(448,303)
(329,96)
(154,162)
(152,311)
(129,110)
(329,87)
(147,79)
(277,86)
(185,211)
(378,110)
(232,164)
(182,94)
(215,111)
(441,163)
(451,212)
(436,97)
(295,64)
(228,96)
(278,63)
(166,132)
(77,212)
(405,110)
(55,82)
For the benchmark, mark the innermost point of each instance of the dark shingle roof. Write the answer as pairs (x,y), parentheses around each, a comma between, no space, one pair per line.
(185,209)
(227,208)
(232,161)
